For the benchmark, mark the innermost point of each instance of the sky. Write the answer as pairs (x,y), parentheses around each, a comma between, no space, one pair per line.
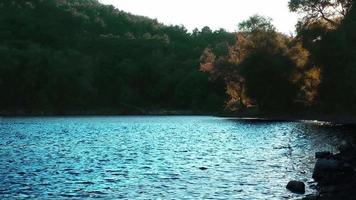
(216,14)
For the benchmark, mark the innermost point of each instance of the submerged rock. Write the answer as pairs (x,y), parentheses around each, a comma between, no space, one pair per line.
(296,187)
(203,168)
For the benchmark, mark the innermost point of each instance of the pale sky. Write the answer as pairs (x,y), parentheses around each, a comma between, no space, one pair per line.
(213,13)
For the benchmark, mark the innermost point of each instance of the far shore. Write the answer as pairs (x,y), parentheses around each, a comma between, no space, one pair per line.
(341,119)
(320,118)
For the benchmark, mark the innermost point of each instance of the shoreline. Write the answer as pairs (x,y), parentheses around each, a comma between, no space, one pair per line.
(105,113)
(328,119)
(340,118)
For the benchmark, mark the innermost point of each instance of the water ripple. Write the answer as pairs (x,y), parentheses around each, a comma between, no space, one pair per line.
(157,157)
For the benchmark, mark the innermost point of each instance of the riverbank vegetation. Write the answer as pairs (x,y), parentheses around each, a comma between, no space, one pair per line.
(73,56)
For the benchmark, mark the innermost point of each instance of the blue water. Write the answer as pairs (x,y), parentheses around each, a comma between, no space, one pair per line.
(157,157)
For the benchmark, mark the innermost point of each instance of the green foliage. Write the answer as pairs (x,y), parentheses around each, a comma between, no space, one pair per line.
(321,10)
(331,40)
(268,79)
(73,56)
(337,55)
(256,23)
(258,69)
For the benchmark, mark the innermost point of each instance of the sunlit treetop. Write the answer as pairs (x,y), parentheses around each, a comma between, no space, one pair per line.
(256,23)
(321,10)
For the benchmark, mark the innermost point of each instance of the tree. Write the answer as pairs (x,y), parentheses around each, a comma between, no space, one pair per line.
(336,55)
(267,68)
(257,68)
(268,79)
(98,58)
(327,33)
(256,23)
(325,10)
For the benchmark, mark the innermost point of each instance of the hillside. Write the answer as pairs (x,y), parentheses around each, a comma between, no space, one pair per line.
(81,56)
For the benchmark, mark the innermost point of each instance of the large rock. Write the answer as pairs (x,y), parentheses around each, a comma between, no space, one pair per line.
(326,165)
(325,169)
(296,187)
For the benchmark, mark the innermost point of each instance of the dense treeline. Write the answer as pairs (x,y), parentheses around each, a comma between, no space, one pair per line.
(331,41)
(314,72)
(70,56)
(75,56)
(264,69)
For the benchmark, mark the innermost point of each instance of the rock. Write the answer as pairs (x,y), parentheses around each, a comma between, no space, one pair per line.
(326,165)
(337,156)
(336,174)
(296,187)
(203,168)
(311,197)
(324,169)
(323,154)
(313,187)
(330,171)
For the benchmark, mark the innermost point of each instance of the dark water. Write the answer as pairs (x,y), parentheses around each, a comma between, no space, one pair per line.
(157,157)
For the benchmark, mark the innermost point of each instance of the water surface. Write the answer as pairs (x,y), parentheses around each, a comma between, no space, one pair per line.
(157,157)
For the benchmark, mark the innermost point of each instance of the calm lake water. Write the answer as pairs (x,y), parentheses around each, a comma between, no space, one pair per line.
(157,157)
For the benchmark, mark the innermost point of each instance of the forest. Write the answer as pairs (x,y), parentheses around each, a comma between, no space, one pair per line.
(83,57)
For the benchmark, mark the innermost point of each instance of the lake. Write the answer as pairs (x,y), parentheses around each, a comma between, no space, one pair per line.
(158,157)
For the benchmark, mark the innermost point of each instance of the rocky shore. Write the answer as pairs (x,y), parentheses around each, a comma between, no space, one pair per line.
(335,174)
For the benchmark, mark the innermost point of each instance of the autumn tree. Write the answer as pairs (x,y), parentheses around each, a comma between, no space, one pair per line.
(327,32)
(267,68)
(257,69)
